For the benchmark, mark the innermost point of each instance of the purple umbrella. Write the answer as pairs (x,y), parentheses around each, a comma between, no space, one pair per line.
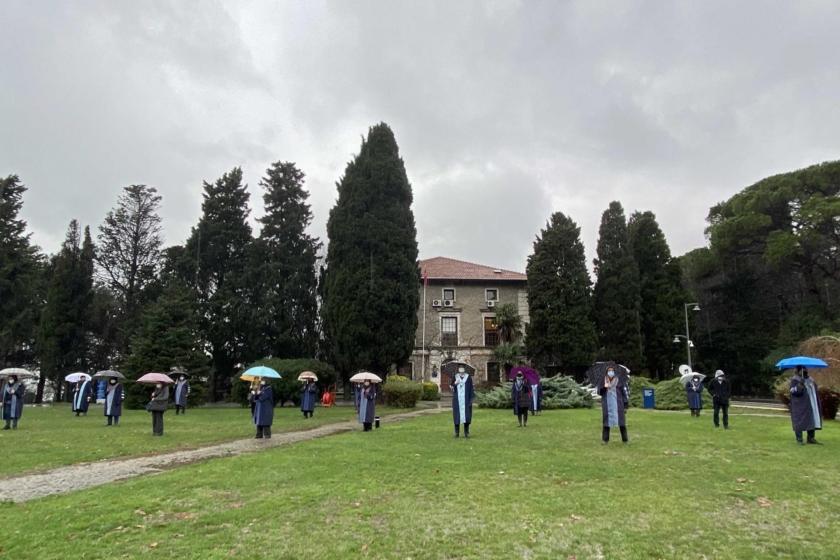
(530,374)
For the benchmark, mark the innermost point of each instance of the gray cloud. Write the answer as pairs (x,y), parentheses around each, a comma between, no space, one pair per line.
(504,111)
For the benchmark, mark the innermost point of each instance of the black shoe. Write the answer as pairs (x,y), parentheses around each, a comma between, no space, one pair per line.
(7,428)
(813,442)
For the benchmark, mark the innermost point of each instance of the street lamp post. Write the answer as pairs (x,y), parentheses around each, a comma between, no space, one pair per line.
(695,307)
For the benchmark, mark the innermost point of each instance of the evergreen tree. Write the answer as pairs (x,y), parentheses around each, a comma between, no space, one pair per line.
(285,260)
(561,333)
(167,337)
(661,293)
(215,262)
(371,284)
(616,294)
(20,279)
(65,322)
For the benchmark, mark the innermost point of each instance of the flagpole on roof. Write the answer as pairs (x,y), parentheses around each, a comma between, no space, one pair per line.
(423,337)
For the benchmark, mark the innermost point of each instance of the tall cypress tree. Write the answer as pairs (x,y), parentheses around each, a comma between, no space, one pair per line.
(20,274)
(285,263)
(561,332)
(371,284)
(616,294)
(65,322)
(661,293)
(216,257)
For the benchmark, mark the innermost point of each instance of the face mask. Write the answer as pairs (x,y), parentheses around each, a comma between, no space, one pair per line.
(113,382)
(262,382)
(696,379)
(182,378)
(611,374)
(367,383)
(12,380)
(159,386)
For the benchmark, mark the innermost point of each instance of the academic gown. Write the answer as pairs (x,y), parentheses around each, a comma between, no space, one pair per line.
(308,397)
(263,406)
(182,391)
(367,405)
(521,396)
(114,396)
(536,397)
(13,401)
(81,394)
(613,406)
(694,393)
(805,413)
(468,397)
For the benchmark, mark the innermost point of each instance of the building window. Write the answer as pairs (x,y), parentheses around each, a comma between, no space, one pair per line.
(449,331)
(407,370)
(449,293)
(491,294)
(493,372)
(491,332)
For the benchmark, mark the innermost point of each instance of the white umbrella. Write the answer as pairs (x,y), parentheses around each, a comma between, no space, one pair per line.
(366,376)
(689,376)
(304,375)
(19,372)
(75,377)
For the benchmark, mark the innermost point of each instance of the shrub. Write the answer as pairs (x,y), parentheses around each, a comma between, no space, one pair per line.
(636,386)
(670,395)
(401,394)
(558,392)
(430,392)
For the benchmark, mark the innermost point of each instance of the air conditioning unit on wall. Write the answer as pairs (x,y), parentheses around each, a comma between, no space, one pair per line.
(448,303)
(435,303)
(491,303)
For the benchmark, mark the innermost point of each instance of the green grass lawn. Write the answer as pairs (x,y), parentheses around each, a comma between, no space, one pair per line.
(681,489)
(53,436)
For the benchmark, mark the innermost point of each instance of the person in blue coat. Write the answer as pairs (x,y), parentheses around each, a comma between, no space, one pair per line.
(82,394)
(805,413)
(114,396)
(308,398)
(12,398)
(694,394)
(520,393)
(463,395)
(367,405)
(182,391)
(263,399)
(615,399)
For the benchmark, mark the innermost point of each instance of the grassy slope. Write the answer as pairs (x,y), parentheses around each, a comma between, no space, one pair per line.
(53,436)
(680,490)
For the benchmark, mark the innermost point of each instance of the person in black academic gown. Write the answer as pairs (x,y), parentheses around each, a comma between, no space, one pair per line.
(82,393)
(615,399)
(182,391)
(263,399)
(805,413)
(721,391)
(521,395)
(463,395)
(308,397)
(114,396)
(367,405)
(694,394)
(157,406)
(12,399)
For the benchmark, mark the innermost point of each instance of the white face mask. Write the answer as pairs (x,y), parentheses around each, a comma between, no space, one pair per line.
(113,382)
(611,373)
(262,382)
(367,383)
(182,378)
(159,386)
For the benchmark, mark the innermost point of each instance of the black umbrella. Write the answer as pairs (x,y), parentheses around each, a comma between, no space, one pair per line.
(452,368)
(598,371)
(109,373)
(176,371)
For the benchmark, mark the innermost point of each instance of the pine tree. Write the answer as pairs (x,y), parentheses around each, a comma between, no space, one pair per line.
(561,333)
(65,322)
(616,294)
(285,262)
(662,296)
(20,279)
(371,284)
(214,263)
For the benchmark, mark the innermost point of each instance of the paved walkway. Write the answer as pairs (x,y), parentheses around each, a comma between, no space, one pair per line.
(88,475)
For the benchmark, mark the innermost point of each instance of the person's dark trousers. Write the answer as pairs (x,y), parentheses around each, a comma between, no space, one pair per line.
(812,436)
(157,423)
(11,424)
(721,407)
(467,430)
(260,432)
(267,432)
(180,410)
(623,430)
(114,419)
(605,434)
(368,426)
(78,413)
(523,418)
(457,430)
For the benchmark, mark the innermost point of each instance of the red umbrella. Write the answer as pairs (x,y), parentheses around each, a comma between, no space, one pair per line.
(152,378)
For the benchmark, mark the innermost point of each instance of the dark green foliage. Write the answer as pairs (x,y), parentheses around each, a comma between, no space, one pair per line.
(431,392)
(168,337)
(371,281)
(287,389)
(509,323)
(637,383)
(662,295)
(64,338)
(829,396)
(401,393)
(670,395)
(616,295)
(558,392)
(20,279)
(561,333)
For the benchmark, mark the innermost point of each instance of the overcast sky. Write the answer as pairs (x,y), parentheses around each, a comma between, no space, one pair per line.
(504,111)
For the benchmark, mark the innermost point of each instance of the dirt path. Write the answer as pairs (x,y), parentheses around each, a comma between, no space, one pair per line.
(88,475)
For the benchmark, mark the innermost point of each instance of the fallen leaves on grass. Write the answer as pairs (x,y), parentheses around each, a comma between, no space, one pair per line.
(764,502)
(673,453)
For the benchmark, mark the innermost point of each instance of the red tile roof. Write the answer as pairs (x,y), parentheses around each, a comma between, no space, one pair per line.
(442,268)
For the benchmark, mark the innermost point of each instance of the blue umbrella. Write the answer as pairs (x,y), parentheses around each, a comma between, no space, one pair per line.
(260,371)
(804,361)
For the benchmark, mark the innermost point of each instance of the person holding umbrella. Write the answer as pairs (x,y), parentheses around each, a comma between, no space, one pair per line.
(159,400)
(463,394)
(182,391)
(308,393)
(521,395)
(720,391)
(12,397)
(263,399)
(82,393)
(367,404)
(805,413)
(694,394)
(615,398)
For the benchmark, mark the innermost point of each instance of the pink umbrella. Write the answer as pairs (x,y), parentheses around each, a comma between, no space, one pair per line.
(152,378)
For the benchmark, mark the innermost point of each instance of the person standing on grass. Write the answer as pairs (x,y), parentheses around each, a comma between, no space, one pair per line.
(13,392)
(694,394)
(357,395)
(81,396)
(521,394)
(263,399)
(805,413)
(614,402)
(182,391)
(157,406)
(721,391)
(308,397)
(536,397)
(367,405)
(114,396)
(463,395)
